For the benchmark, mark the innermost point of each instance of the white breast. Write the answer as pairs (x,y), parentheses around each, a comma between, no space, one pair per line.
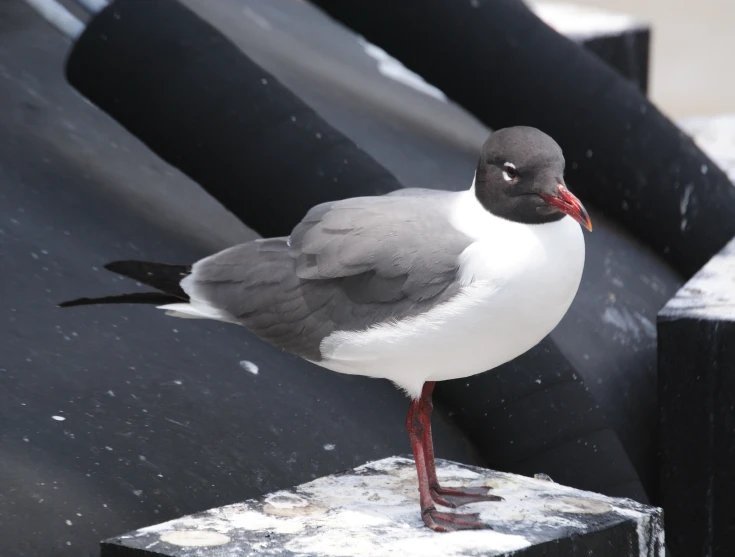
(519,280)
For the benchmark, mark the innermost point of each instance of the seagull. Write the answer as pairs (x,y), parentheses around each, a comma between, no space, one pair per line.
(416,286)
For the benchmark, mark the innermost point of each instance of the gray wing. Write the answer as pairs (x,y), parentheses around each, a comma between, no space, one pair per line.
(348,265)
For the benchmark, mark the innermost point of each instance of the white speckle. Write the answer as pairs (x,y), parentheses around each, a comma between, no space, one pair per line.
(286,500)
(704,169)
(138,492)
(684,203)
(630,325)
(141,458)
(329,447)
(318,135)
(111,393)
(538,381)
(264,81)
(617,282)
(26,439)
(108,448)
(293,118)
(249,366)
(620,319)
(195,538)
(178,382)
(393,69)
(648,327)
(58,418)
(68,522)
(34,255)
(684,223)
(588,153)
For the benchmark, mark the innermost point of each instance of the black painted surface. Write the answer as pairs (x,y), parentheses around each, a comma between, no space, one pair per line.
(502,63)
(247,139)
(697,409)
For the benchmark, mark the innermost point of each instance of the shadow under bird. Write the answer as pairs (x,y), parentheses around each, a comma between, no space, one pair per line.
(416,286)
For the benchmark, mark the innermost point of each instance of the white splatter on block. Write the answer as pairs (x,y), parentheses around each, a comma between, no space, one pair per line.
(373,511)
(58,418)
(710,293)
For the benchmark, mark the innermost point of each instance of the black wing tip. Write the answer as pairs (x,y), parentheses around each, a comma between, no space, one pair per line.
(150,298)
(69,304)
(112,265)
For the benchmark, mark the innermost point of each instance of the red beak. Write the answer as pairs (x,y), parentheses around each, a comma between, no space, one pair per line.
(568,203)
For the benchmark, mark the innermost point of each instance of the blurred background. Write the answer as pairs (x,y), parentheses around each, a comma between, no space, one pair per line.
(692,41)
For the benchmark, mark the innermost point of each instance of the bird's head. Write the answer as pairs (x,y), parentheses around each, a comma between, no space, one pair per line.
(520,177)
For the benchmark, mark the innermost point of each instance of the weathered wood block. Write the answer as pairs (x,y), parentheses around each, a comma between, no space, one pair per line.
(373,511)
(696,342)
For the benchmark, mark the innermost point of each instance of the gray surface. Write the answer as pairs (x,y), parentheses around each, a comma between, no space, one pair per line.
(405,129)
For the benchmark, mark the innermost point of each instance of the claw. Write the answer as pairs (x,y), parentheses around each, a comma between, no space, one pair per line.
(456,497)
(451,522)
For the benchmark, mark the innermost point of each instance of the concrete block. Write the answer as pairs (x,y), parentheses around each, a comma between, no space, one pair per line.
(373,511)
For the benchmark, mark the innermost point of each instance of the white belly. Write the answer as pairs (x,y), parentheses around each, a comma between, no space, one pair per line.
(517,287)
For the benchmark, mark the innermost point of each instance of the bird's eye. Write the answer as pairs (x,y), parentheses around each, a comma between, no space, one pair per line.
(510,172)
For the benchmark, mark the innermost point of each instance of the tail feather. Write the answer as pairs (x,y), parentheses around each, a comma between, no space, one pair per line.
(163,277)
(155,298)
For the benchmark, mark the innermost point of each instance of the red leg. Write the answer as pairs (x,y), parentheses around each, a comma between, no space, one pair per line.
(437,521)
(448,497)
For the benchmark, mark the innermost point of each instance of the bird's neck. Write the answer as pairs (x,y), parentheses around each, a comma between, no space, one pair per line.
(471,217)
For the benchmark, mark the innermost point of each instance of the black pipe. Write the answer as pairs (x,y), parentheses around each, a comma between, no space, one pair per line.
(497,59)
(195,99)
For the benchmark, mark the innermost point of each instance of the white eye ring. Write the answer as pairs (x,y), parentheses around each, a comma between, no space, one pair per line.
(509,172)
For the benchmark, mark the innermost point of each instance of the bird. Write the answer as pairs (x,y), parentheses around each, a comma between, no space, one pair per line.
(415,286)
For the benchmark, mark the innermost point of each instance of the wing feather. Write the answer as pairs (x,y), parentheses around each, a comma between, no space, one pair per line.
(347,265)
